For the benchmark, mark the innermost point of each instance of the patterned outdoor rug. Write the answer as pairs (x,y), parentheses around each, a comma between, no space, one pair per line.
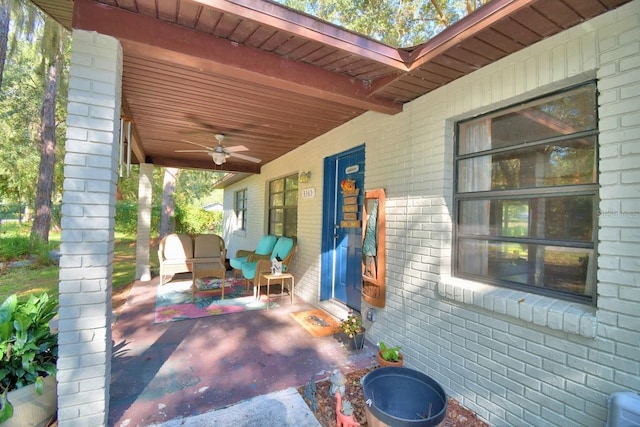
(173,300)
(317,322)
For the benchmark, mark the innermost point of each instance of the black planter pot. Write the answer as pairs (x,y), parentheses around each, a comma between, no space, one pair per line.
(403,397)
(357,342)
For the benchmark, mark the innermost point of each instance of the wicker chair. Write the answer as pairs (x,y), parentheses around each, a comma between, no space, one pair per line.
(262,251)
(208,260)
(173,252)
(252,271)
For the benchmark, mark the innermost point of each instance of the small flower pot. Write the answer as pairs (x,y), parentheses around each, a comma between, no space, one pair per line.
(383,362)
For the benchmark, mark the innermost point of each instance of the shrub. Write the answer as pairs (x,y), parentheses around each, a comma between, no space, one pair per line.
(193,220)
(127,217)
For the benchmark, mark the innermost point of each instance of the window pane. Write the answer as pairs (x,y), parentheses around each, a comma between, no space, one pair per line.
(292,182)
(277,186)
(542,266)
(277,215)
(283,201)
(291,198)
(566,163)
(562,114)
(276,229)
(277,199)
(557,218)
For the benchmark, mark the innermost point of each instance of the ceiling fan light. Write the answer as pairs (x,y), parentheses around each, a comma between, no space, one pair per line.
(218,158)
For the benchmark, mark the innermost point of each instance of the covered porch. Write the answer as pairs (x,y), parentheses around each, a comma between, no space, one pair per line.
(266,77)
(162,371)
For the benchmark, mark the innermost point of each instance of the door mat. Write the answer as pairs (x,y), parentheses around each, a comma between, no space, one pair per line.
(317,322)
(173,300)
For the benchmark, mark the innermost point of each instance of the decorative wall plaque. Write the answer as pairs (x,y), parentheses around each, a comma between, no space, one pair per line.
(373,248)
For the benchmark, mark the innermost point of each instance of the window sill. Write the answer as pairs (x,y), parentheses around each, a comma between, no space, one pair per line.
(572,318)
(240,233)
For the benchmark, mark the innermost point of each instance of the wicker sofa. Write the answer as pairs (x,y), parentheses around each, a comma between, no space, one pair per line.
(201,254)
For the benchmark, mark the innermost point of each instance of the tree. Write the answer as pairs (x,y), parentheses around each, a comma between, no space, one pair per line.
(167,221)
(19,104)
(400,23)
(53,49)
(4,33)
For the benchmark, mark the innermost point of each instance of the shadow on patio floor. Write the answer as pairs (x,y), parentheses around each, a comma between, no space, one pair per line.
(185,368)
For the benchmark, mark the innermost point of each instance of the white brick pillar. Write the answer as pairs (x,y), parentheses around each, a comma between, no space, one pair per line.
(145,190)
(88,217)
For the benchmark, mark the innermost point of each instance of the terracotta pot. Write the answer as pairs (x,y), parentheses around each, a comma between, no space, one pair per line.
(383,362)
(31,409)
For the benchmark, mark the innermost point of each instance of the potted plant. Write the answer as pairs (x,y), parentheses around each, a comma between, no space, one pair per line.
(389,356)
(352,327)
(28,355)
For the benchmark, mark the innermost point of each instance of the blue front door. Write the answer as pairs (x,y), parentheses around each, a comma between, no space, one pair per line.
(342,230)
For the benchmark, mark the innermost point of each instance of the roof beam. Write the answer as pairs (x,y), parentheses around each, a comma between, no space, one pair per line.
(153,38)
(460,31)
(464,29)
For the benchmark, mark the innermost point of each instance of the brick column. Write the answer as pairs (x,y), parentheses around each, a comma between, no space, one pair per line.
(145,189)
(88,217)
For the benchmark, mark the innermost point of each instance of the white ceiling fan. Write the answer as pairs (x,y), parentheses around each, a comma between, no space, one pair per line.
(219,154)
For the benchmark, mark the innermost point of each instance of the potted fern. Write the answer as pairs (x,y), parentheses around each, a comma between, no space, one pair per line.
(389,356)
(28,355)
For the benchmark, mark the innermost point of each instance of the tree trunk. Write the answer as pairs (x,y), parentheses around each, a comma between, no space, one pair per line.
(168,219)
(4,35)
(45,183)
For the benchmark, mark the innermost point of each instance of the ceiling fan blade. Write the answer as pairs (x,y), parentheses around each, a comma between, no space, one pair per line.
(193,151)
(195,143)
(245,157)
(236,148)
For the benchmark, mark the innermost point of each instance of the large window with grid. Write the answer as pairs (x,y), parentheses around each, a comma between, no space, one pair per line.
(283,206)
(526,196)
(240,207)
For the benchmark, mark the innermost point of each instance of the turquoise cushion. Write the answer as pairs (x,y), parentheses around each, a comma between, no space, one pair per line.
(282,248)
(237,262)
(249,270)
(265,245)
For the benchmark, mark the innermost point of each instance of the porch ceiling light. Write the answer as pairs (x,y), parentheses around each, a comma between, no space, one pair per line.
(218,158)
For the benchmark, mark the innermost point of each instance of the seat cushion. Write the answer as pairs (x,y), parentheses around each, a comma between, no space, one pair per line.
(249,270)
(237,263)
(266,244)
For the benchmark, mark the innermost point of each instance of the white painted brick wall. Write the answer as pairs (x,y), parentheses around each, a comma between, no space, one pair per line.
(539,362)
(88,212)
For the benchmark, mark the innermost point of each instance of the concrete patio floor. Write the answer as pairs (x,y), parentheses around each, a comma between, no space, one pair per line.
(185,368)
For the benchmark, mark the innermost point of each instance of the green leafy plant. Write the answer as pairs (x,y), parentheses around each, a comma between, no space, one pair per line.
(28,348)
(390,354)
(352,325)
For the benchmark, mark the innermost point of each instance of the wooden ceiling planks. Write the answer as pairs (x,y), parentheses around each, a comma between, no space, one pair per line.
(164,83)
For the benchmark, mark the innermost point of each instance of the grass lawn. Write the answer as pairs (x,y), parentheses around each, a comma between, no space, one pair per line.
(38,278)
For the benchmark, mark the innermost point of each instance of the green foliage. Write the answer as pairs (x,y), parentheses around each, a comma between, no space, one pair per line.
(127,217)
(14,247)
(15,244)
(193,219)
(28,349)
(390,354)
(20,104)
